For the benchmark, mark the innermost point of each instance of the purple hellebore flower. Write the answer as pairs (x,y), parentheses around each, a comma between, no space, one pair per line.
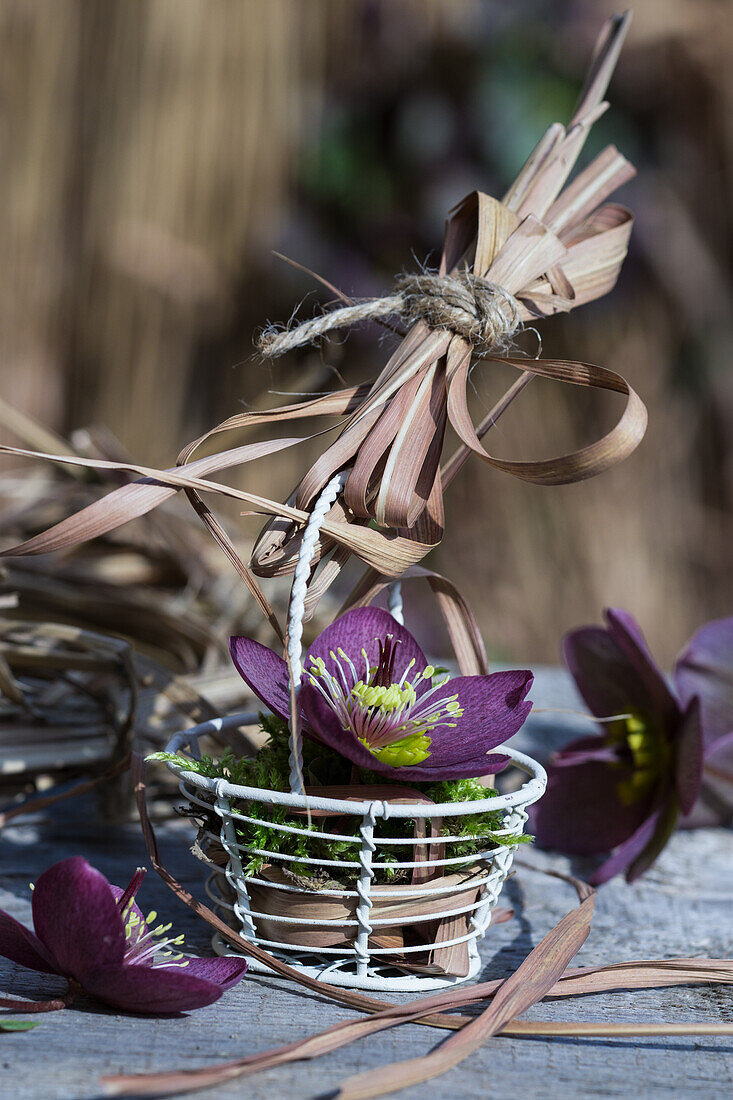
(369,693)
(93,934)
(625,789)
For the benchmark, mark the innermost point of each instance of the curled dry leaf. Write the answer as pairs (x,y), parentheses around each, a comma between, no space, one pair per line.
(385,551)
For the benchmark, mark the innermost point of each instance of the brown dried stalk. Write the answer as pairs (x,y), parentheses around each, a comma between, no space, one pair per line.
(171,1082)
(621,976)
(534,978)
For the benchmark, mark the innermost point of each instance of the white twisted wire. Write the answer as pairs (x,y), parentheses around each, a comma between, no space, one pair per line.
(394,602)
(501,866)
(296,610)
(234,873)
(363,887)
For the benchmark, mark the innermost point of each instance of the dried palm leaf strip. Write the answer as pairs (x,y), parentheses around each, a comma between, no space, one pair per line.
(552,250)
(132,501)
(621,440)
(386,551)
(171,1082)
(575,466)
(640,975)
(534,978)
(328,405)
(458,617)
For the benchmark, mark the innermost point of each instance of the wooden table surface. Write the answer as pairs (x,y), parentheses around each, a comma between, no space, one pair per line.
(683,906)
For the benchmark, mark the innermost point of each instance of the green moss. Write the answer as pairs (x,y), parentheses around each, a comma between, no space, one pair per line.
(323,766)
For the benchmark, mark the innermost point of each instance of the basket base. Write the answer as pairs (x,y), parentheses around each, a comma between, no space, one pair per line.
(383,978)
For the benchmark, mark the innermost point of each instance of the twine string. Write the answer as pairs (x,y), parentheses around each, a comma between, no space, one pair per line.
(481,312)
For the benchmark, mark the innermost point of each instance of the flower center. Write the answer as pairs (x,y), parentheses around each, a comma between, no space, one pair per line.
(386,715)
(146,941)
(649,757)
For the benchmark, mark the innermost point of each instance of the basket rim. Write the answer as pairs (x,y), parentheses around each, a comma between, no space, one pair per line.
(530,790)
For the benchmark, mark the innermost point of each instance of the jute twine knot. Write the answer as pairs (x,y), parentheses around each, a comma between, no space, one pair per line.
(483,313)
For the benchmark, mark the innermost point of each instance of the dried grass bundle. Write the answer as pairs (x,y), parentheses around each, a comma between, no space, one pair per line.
(68,700)
(100,650)
(547,248)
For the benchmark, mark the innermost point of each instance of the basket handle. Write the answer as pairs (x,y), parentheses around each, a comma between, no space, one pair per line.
(296,611)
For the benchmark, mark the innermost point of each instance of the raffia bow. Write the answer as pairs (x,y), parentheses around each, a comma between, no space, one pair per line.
(545,248)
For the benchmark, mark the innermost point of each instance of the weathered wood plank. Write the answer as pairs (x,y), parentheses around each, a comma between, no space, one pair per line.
(684,906)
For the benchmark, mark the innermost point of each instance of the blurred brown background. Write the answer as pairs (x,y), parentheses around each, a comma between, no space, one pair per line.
(154,152)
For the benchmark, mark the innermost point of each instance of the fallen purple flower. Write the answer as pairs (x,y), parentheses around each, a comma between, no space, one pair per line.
(622,791)
(93,934)
(369,693)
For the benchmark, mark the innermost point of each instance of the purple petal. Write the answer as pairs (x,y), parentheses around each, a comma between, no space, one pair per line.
(612,672)
(718,760)
(364,628)
(604,677)
(584,751)
(714,804)
(264,671)
(627,634)
(719,756)
(666,825)
(638,853)
(329,730)
(627,852)
(494,708)
(149,990)
(581,812)
(18,944)
(688,762)
(224,971)
(705,668)
(426,772)
(76,917)
(639,850)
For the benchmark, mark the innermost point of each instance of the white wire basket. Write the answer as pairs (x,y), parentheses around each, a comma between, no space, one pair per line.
(456,892)
(422,933)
